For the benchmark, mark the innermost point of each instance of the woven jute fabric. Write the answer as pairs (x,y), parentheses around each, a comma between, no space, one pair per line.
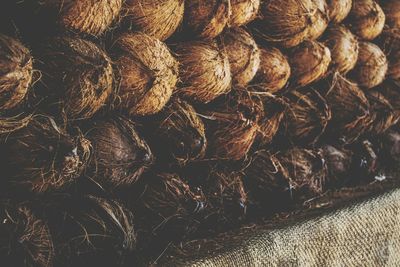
(362,234)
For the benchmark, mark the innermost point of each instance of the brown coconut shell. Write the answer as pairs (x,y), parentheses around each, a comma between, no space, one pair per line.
(339,9)
(159,19)
(343,46)
(148,73)
(389,42)
(43,156)
(206,19)
(243,12)
(320,20)
(366,19)
(274,70)
(390,89)
(338,162)
(26,239)
(391,8)
(389,148)
(92,17)
(309,62)
(77,76)
(16,66)
(243,55)
(120,155)
(371,67)
(205,71)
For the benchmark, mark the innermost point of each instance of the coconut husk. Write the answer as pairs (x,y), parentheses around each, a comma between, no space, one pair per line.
(306,118)
(371,67)
(243,12)
(366,19)
(364,162)
(204,70)
(77,77)
(339,9)
(85,16)
(389,148)
(16,120)
(206,19)
(148,73)
(43,156)
(120,155)
(309,62)
(16,72)
(390,89)
(243,55)
(338,162)
(177,133)
(389,42)
(25,239)
(391,8)
(320,20)
(343,46)
(274,70)
(159,19)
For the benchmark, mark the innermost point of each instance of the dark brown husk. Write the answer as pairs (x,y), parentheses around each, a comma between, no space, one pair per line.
(177,133)
(339,9)
(243,12)
(371,67)
(159,19)
(366,19)
(148,73)
(16,72)
(204,70)
(320,20)
(120,155)
(206,19)
(25,239)
(390,89)
(309,62)
(392,12)
(389,148)
(13,122)
(343,46)
(338,162)
(389,42)
(77,76)
(274,70)
(243,55)
(92,17)
(43,156)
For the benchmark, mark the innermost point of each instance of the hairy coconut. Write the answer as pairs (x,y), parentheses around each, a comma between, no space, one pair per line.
(243,55)
(148,73)
(16,72)
(120,155)
(309,62)
(364,162)
(390,89)
(366,19)
(371,67)
(159,19)
(391,9)
(343,46)
(389,41)
(232,124)
(389,148)
(243,12)
(77,76)
(92,17)
(177,133)
(43,156)
(274,70)
(320,20)
(204,70)
(338,162)
(306,118)
(339,9)
(25,239)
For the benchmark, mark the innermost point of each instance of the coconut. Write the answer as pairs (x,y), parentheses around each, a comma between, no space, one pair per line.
(339,9)
(92,17)
(25,239)
(243,12)
(77,76)
(243,55)
(232,124)
(307,116)
(371,67)
(120,155)
(320,20)
(17,71)
(389,148)
(206,19)
(392,12)
(343,46)
(159,19)
(309,62)
(43,156)
(364,162)
(177,133)
(338,162)
(204,70)
(274,70)
(148,73)
(389,41)
(366,19)
(390,89)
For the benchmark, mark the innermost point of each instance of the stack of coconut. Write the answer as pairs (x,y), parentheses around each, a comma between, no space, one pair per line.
(127,126)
